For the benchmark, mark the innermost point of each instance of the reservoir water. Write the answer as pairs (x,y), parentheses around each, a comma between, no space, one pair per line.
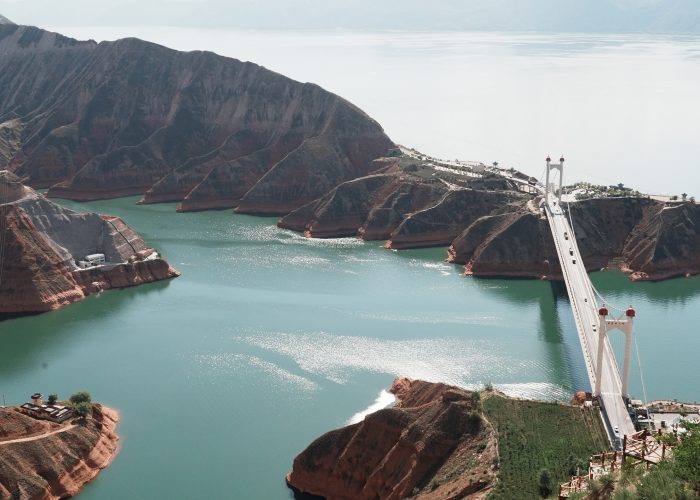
(269,339)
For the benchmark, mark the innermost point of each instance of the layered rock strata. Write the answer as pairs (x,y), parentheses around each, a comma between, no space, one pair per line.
(402,202)
(432,444)
(58,465)
(40,245)
(649,239)
(101,120)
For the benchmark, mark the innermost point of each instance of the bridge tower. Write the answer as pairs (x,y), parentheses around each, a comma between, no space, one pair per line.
(625,326)
(549,187)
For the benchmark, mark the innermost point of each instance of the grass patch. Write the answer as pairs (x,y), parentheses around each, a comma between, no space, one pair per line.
(535,435)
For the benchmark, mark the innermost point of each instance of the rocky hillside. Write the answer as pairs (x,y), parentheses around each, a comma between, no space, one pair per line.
(130,117)
(42,243)
(494,229)
(58,465)
(649,239)
(432,444)
(405,202)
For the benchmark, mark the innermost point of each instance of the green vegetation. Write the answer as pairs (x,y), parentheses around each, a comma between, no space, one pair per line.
(52,399)
(599,191)
(81,403)
(686,457)
(677,478)
(82,409)
(533,436)
(80,397)
(544,483)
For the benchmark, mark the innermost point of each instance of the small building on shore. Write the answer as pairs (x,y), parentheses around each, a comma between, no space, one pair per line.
(92,260)
(52,412)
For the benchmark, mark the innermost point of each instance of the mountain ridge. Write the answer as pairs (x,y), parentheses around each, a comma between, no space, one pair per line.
(101,120)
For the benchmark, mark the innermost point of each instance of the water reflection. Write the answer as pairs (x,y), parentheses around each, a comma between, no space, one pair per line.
(616,286)
(28,342)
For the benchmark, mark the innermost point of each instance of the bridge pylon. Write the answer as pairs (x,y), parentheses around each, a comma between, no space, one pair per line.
(625,326)
(549,188)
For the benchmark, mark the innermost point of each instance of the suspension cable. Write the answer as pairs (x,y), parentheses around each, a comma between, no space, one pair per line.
(595,290)
(641,373)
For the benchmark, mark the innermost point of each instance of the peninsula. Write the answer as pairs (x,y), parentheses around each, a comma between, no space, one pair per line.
(493,222)
(43,455)
(53,256)
(443,442)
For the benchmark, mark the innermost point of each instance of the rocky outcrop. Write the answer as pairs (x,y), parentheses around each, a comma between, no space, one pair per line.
(42,241)
(514,244)
(59,465)
(401,201)
(344,210)
(131,117)
(647,238)
(433,444)
(438,225)
(34,277)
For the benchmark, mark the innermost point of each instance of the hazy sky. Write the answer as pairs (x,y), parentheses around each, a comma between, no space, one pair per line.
(538,15)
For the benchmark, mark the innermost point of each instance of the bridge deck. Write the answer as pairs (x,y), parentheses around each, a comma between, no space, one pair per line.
(585,309)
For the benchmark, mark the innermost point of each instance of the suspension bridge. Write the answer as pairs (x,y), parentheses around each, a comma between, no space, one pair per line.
(593,320)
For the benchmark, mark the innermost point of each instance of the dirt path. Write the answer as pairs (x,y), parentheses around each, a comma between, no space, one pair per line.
(40,436)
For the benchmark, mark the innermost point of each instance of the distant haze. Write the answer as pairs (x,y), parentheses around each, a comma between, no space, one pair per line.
(610,16)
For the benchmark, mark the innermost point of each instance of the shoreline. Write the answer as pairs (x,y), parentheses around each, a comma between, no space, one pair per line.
(59,462)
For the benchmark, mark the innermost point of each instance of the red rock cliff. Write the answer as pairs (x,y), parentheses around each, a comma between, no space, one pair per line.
(59,465)
(41,242)
(422,448)
(647,238)
(132,117)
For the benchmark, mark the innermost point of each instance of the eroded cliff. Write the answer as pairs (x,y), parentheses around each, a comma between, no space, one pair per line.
(432,444)
(41,243)
(647,238)
(101,120)
(402,201)
(55,466)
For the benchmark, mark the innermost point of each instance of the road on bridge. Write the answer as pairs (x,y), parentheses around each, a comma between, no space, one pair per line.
(585,309)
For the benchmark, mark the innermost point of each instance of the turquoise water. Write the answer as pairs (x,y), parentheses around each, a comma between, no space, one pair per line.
(269,339)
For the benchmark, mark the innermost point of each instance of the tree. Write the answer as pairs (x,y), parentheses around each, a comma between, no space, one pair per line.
(661,482)
(544,483)
(82,409)
(476,398)
(623,494)
(684,196)
(686,462)
(80,397)
(52,399)
(576,465)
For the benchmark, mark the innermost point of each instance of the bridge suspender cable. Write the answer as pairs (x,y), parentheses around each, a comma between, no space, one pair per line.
(612,306)
(641,373)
